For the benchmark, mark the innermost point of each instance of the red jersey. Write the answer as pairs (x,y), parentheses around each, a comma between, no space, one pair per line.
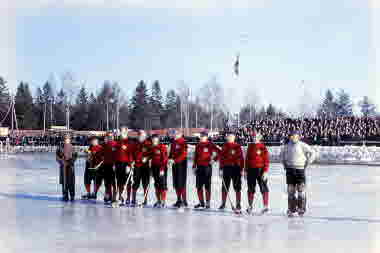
(108,152)
(159,156)
(95,155)
(178,150)
(257,156)
(203,153)
(124,151)
(142,150)
(232,155)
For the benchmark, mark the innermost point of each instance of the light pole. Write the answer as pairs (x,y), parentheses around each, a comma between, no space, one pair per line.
(45,116)
(67,117)
(107,116)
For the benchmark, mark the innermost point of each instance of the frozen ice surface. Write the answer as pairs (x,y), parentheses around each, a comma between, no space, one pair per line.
(343,216)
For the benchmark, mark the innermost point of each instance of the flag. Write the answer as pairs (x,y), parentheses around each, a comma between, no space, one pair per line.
(236,66)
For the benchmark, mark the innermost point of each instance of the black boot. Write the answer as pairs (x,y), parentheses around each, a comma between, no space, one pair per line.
(184,203)
(208,205)
(157,204)
(200,205)
(178,204)
(222,206)
(86,196)
(65,198)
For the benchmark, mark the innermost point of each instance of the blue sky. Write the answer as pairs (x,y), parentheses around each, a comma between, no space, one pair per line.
(329,44)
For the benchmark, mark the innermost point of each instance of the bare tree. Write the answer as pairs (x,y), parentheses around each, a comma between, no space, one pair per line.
(184,93)
(212,97)
(70,87)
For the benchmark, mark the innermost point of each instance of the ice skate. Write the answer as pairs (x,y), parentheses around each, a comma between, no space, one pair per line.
(222,206)
(199,206)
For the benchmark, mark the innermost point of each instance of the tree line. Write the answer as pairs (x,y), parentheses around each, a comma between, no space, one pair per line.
(148,108)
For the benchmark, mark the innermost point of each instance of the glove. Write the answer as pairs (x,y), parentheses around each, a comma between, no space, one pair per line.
(221,173)
(150,163)
(162,173)
(144,159)
(264,176)
(128,169)
(133,165)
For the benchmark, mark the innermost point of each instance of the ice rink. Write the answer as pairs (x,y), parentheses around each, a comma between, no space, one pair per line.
(343,215)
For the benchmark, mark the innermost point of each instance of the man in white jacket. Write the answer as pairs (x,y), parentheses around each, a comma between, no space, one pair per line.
(296,156)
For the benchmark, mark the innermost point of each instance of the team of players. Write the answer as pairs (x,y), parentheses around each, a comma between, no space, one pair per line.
(126,164)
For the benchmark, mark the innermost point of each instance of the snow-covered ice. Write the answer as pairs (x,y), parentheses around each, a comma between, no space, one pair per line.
(343,215)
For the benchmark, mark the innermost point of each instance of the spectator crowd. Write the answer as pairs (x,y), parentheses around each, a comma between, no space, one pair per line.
(315,131)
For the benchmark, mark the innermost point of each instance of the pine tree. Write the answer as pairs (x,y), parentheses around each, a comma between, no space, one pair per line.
(156,105)
(60,108)
(271,111)
(329,107)
(24,107)
(139,108)
(171,115)
(344,104)
(80,112)
(4,99)
(94,122)
(368,108)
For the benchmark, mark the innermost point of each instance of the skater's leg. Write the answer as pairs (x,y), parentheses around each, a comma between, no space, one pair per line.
(163,188)
(225,185)
(145,178)
(183,182)
(175,178)
(237,186)
(199,185)
(264,189)
(72,182)
(301,200)
(121,178)
(251,182)
(207,185)
(292,201)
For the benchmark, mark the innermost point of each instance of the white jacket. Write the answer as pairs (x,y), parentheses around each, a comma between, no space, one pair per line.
(297,155)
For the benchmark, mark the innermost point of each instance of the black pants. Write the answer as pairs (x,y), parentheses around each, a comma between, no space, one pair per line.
(254,175)
(179,175)
(141,176)
(109,176)
(122,175)
(232,173)
(89,175)
(68,181)
(203,177)
(160,183)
